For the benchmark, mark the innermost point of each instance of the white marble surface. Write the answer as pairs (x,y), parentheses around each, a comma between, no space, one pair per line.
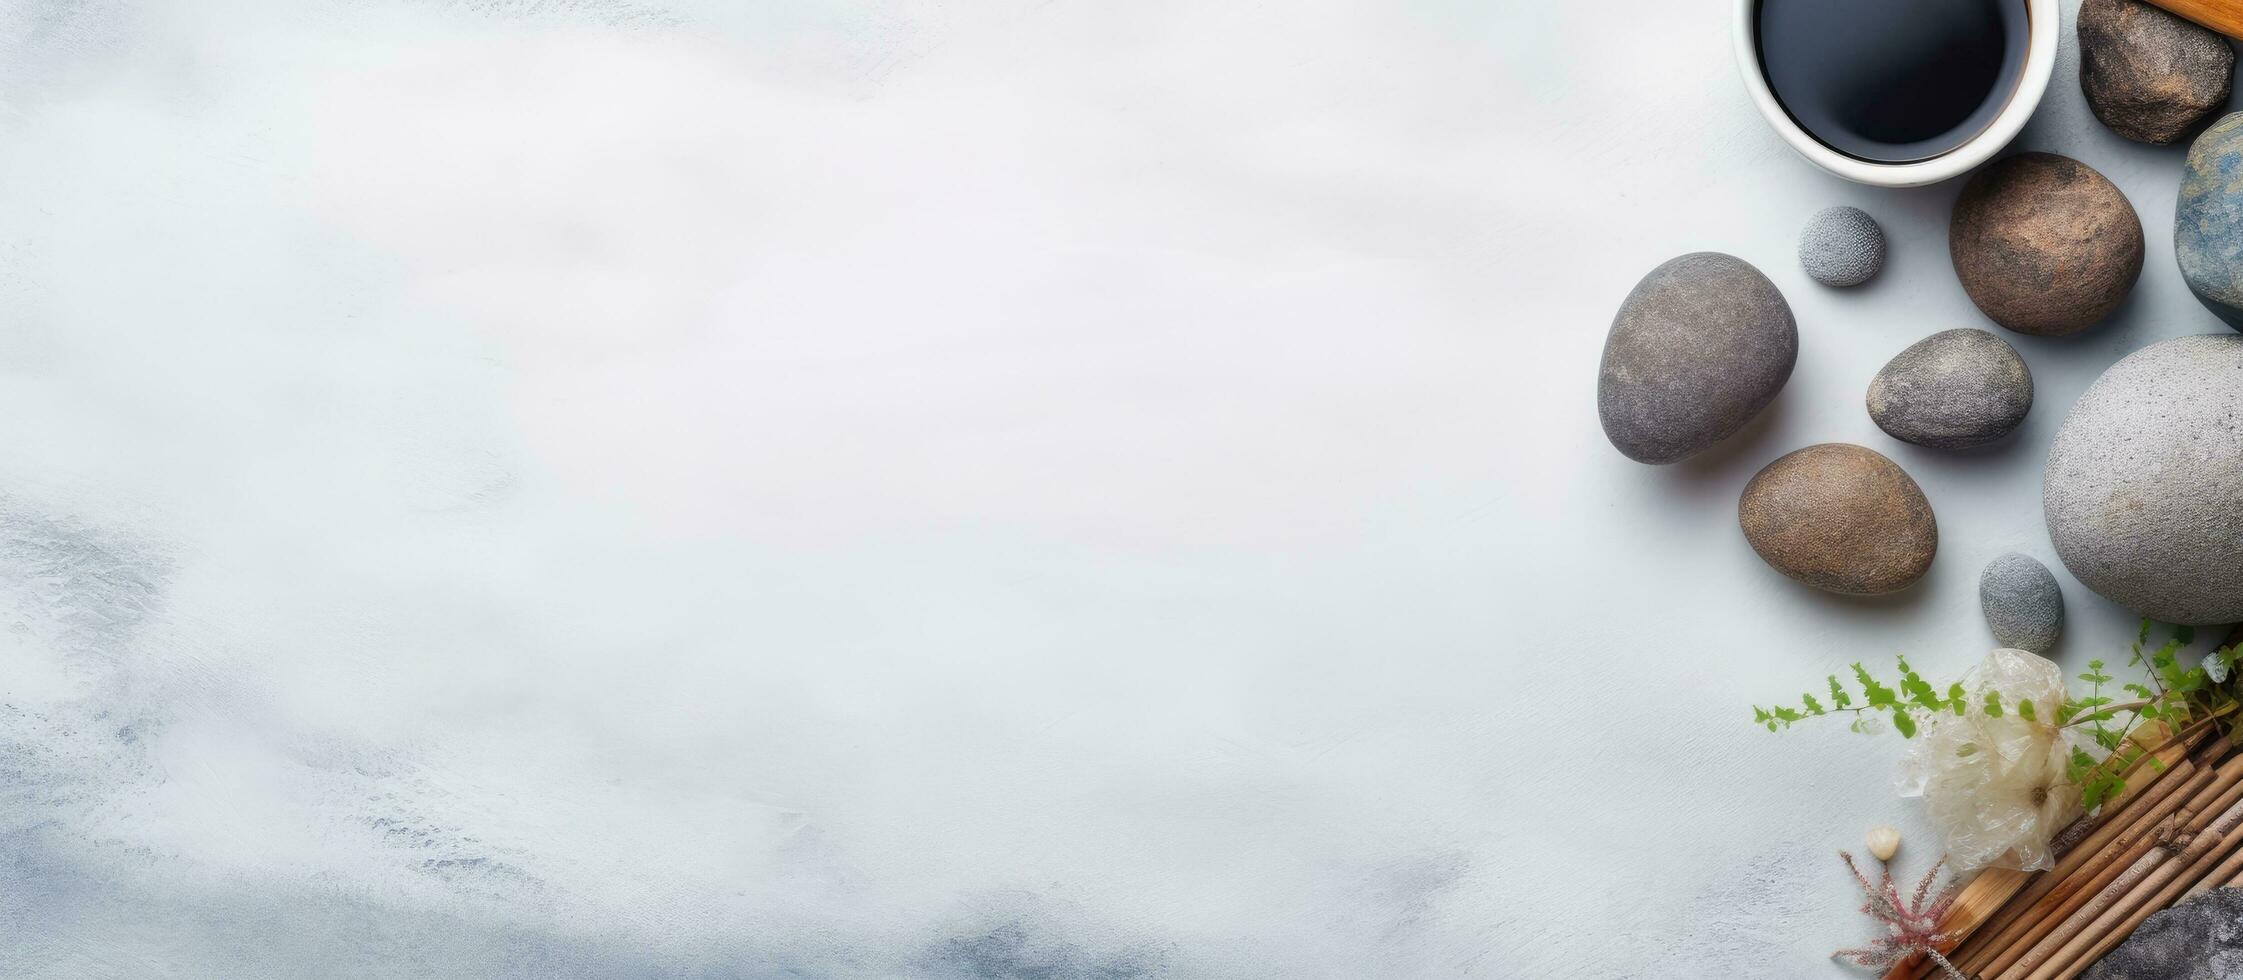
(1019,489)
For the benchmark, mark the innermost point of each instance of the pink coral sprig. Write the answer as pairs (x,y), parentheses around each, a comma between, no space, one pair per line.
(1911,927)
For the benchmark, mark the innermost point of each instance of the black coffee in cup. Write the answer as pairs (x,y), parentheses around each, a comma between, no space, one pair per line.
(1892,81)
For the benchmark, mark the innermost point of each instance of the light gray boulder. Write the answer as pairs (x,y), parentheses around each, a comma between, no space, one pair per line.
(2143,490)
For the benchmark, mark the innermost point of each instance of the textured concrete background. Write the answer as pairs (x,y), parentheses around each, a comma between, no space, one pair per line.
(1017,489)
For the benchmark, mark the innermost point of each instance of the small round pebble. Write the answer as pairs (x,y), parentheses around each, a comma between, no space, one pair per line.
(2024,607)
(1842,246)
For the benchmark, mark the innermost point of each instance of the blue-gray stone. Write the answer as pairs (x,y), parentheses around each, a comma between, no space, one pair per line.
(2208,220)
(2024,607)
(1698,348)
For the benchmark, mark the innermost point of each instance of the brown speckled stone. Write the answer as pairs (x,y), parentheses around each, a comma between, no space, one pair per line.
(1840,518)
(2044,244)
(2150,76)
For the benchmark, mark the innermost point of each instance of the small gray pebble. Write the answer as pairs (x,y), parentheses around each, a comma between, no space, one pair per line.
(1952,390)
(1842,246)
(2024,607)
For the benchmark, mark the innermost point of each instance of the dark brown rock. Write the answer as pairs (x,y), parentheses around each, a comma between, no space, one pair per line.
(2044,244)
(1841,518)
(2150,76)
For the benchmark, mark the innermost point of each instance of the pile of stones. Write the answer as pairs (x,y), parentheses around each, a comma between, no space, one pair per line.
(2143,492)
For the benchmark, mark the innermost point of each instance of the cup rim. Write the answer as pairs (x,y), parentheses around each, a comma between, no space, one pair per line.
(2040,65)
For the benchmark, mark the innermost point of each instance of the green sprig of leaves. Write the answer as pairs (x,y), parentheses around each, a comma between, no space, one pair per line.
(2180,697)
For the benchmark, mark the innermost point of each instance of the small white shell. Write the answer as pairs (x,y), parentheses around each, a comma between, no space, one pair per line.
(1883,842)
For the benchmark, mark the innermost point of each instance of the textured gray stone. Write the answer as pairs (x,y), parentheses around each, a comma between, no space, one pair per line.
(2147,74)
(2199,939)
(1842,246)
(1952,390)
(2044,244)
(1841,518)
(2024,607)
(1698,348)
(2144,487)
(2208,220)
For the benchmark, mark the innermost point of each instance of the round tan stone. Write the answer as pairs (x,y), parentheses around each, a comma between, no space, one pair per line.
(1840,518)
(2044,244)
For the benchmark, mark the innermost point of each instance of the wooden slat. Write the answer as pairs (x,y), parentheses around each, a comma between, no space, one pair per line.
(2224,16)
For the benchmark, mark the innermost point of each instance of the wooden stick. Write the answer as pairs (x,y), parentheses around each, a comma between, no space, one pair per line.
(2220,877)
(2134,884)
(2189,876)
(2147,804)
(2224,16)
(1994,900)
(2088,866)
(2126,856)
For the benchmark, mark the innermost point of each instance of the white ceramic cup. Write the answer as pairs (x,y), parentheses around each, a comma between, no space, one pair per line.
(2040,62)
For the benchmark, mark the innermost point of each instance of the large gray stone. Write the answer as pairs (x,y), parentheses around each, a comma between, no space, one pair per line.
(2044,244)
(1698,348)
(2208,220)
(1841,518)
(2144,486)
(1952,390)
(2024,607)
(1842,246)
(2199,939)
(2149,75)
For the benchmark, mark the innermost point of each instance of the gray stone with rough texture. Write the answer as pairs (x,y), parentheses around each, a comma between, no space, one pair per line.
(2198,939)
(1698,348)
(2044,244)
(2024,607)
(1842,246)
(2208,220)
(1952,390)
(1840,518)
(2144,487)
(2149,75)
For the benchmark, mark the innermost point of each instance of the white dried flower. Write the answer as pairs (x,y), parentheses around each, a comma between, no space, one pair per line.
(1997,789)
